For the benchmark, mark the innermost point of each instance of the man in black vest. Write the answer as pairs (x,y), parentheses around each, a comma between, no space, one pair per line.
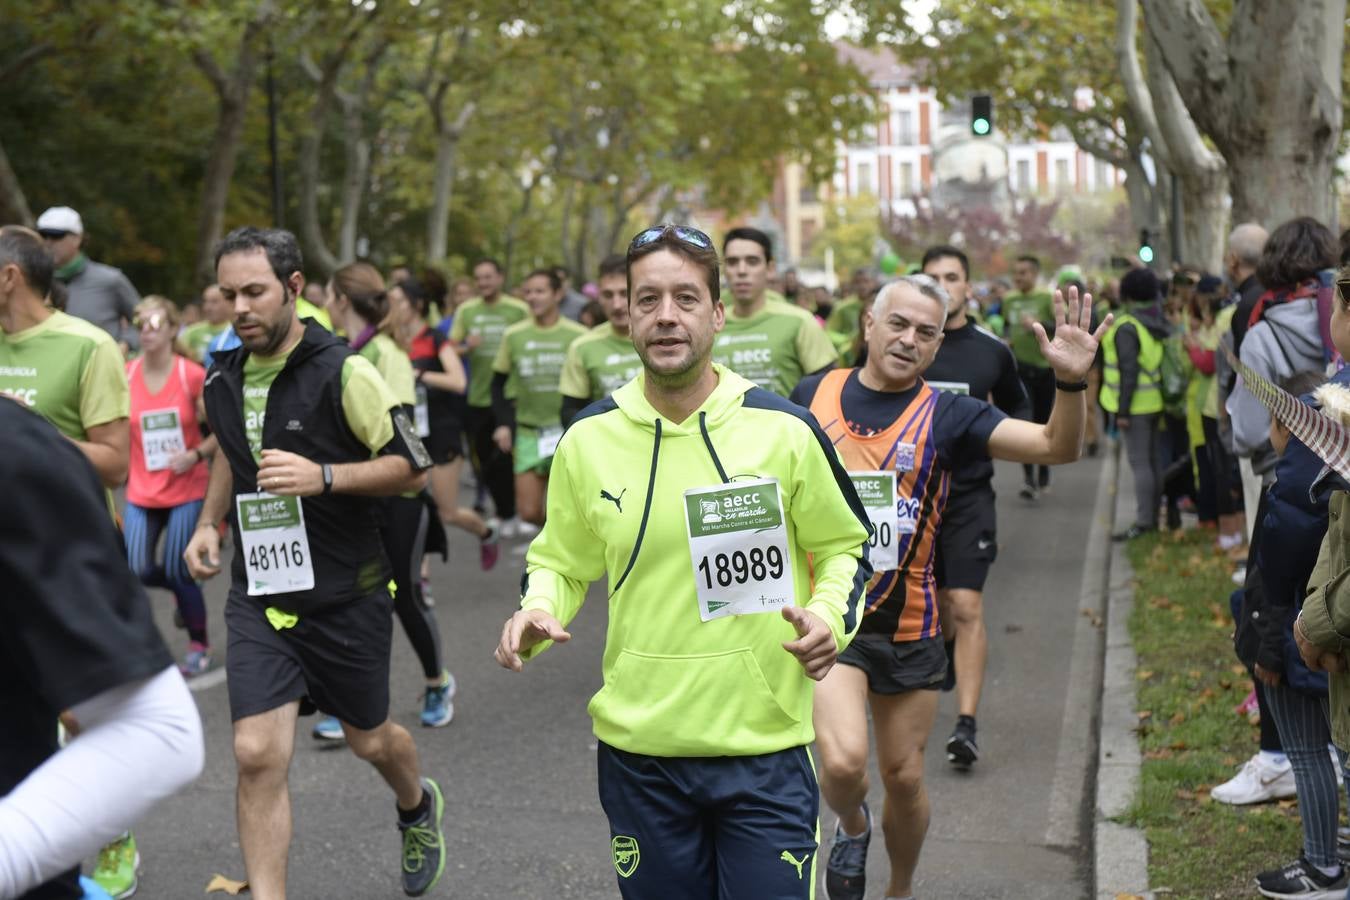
(298,415)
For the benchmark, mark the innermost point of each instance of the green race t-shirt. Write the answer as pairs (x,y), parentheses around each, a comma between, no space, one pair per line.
(393,364)
(533,357)
(774,347)
(68,371)
(196,337)
(598,363)
(488,321)
(1041,308)
(366,400)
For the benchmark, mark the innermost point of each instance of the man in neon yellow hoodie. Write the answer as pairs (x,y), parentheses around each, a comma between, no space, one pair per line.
(701,496)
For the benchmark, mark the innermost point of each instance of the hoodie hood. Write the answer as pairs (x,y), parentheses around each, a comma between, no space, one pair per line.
(1152,318)
(720,406)
(1299,327)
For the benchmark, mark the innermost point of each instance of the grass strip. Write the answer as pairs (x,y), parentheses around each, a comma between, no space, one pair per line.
(1189,682)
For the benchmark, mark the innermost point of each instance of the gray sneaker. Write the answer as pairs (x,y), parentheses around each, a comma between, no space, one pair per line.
(846,871)
(424,846)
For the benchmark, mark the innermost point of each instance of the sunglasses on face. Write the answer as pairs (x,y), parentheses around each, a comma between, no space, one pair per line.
(152,321)
(1343,290)
(691,236)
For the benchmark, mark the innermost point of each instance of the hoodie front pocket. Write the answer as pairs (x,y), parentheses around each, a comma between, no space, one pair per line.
(704,700)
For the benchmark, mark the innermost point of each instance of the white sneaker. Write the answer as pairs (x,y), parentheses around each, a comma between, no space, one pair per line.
(526,529)
(507,529)
(1256,782)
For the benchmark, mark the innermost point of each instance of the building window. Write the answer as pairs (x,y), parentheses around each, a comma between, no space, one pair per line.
(866,179)
(1024,175)
(904,127)
(867,135)
(1062,181)
(907,179)
(807,194)
(1104,176)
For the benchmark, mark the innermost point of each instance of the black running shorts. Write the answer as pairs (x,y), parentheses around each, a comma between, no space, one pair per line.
(335,660)
(894,668)
(967,542)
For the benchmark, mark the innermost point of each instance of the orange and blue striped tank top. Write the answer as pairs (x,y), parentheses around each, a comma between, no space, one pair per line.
(902,602)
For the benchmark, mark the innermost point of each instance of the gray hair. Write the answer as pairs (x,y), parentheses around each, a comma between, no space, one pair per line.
(1246,243)
(924,284)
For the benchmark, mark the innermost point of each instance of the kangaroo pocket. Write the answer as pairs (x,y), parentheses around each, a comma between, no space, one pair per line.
(699,705)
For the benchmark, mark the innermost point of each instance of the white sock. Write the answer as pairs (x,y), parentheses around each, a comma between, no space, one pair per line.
(1332,872)
(867,815)
(1274,758)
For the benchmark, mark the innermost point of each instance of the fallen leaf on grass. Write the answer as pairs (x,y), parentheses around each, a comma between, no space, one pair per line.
(1287,804)
(1242,829)
(1143,674)
(1229,761)
(1177,718)
(1144,714)
(219,883)
(1160,603)
(1178,745)
(1237,669)
(1129,897)
(1159,753)
(1194,674)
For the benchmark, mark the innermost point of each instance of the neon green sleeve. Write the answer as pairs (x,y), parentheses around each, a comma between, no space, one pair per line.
(815,350)
(397,371)
(830,524)
(575,380)
(459,328)
(366,402)
(567,555)
(502,364)
(104,395)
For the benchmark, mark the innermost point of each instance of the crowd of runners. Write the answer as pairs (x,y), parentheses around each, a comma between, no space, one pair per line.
(787,494)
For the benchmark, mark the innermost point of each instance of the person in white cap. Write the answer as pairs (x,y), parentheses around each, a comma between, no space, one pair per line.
(97,293)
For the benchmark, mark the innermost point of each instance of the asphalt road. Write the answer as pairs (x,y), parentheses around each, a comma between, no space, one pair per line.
(518,763)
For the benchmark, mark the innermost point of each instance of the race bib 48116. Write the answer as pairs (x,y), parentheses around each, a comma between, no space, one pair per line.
(275,546)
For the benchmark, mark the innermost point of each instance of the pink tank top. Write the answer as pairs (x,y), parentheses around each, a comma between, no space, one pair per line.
(164,424)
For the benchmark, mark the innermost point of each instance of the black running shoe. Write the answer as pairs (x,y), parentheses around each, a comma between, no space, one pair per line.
(424,845)
(1301,879)
(846,871)
(961,748)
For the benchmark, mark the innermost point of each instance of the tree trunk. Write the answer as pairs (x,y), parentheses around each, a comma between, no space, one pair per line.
(317,252)
(1277,124)
(13,202)
(219,173)
(354,179)
(232,92)
(438,221)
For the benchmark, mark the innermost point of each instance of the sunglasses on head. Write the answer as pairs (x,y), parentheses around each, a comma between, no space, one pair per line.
(691,236)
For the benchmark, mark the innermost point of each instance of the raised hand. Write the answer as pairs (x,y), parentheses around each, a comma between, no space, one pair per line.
(1074,348)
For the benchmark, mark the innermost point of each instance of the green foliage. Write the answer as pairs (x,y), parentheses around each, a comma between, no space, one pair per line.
(853,231)
(585,118)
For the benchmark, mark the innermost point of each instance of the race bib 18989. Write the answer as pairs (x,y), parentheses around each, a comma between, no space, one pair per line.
(738,543)
(275,546)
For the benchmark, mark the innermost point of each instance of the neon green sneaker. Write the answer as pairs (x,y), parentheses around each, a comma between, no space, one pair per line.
(117,865)
(424,846)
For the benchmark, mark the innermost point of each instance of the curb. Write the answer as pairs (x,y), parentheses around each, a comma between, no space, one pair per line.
(1121,852)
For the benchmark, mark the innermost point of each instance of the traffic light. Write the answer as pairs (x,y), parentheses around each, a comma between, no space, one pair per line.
(1145,247)
(981,115)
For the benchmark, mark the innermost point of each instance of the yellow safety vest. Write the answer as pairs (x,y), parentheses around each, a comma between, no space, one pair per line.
(1147,397)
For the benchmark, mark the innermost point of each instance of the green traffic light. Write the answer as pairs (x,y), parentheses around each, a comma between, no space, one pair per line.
(980,126)
(1146,254)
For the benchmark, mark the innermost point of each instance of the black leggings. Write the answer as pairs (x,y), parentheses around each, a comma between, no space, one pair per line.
(1040,385)
(404,535)
(492,465)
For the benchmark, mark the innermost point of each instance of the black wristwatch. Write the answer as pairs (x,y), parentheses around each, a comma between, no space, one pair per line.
(327,478)
(1071,387)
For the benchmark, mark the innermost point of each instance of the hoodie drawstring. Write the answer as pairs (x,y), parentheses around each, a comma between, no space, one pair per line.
(646,510)
(707,441)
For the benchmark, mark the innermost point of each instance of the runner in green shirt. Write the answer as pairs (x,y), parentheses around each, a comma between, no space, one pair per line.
(1022,308)
(477,335)
(772,344)
(601,362)
(217,313)
(64,368)
(529,368)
